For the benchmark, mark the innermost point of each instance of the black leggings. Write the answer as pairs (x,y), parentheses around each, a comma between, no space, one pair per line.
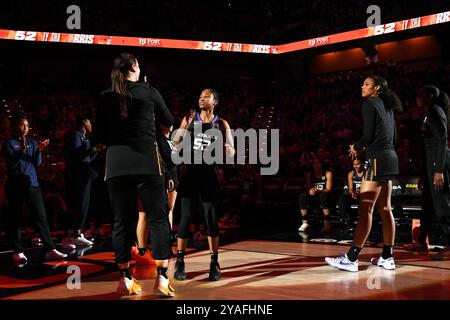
(321,199)
(17,195)
(123,192)
(204,186)
(78,191)
(345,203)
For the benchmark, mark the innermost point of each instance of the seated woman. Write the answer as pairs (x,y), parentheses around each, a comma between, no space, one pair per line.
(319,183)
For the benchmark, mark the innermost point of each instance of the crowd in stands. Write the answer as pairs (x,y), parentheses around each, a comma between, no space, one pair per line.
(317,120)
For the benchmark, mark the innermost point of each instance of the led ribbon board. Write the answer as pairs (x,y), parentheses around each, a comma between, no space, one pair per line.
(92,39)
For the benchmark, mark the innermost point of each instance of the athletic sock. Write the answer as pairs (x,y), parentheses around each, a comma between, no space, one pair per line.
(353,253)
(214,257)
(126,273)
(162,271)
(180,255)
(142,251)
(387,252)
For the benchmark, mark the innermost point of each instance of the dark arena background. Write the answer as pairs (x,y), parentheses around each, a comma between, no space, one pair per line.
(292,66)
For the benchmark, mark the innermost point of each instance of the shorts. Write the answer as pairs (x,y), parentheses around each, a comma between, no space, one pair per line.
(370,172)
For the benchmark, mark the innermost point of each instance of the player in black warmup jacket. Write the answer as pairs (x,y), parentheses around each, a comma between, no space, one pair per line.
(436,172)
(381,165)
(125,122)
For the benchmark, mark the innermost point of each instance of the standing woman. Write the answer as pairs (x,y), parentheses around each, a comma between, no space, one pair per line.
(126,124)
(201,181)
(381,165)
(79,153)
(23,156)
(436,192)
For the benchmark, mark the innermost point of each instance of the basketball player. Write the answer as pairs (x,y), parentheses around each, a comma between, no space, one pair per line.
(436,192)
(126,118)
(202,181)
(381,165)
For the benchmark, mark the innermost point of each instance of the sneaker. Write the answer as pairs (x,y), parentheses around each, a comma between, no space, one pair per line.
(81,241)
(303,236)
(55,255)
(162,287)
(86,238)
(144,260)
(179,274)
(388,264)
(342,263)
(417,247)
(19,258)
(82,250)
(304,226)
(214,271)
(128,286)
(68,243)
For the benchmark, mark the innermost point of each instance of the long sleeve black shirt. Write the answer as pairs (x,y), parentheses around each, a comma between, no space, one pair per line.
(131,142)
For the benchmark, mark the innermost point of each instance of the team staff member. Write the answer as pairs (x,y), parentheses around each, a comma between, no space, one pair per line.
(23,156)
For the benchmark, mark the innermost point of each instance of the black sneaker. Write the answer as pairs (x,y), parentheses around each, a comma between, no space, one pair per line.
(179,274)
(214,271)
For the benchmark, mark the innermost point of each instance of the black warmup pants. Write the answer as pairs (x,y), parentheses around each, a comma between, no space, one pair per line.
(78,194)
(322,200)
(123,192)
(18,193)
(435,208)
(345,203)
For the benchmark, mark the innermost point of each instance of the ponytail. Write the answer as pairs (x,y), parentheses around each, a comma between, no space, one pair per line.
(119,73)
(439,98)
(390,99)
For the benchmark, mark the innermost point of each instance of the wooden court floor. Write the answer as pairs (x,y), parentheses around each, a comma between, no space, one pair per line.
(252,270)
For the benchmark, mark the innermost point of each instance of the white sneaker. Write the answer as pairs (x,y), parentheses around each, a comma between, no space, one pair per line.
(342,263)
(163,287)
(129,286)
(81,241)
(304,226)
(19,258)
(55,255)
(388,264)
(82,250)
(91,239)
(67,243)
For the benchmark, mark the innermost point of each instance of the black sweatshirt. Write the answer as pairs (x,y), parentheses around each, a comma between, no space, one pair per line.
(132,147)
(435,139)
(378,136)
